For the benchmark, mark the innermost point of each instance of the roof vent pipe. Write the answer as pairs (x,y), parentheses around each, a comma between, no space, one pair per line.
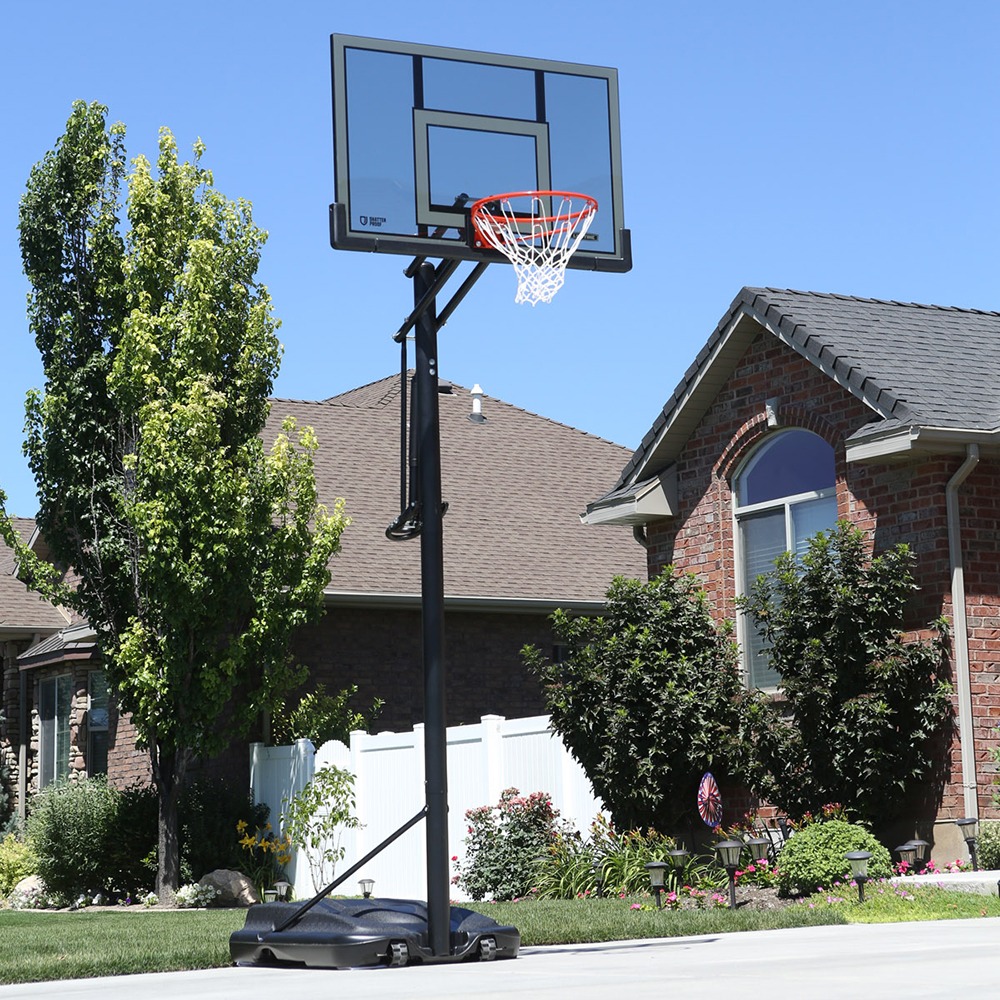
(476,416)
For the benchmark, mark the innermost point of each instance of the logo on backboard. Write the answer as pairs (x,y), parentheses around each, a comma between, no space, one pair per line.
(375,221)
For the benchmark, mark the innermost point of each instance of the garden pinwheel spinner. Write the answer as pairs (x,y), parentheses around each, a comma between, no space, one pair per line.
(709,801)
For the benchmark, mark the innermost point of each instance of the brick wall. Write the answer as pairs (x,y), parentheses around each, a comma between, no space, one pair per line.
(901,501)
(381,652)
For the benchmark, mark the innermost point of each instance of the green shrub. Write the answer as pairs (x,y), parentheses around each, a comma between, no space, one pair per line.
(315,820)
(814,858)
(209,811)
(572,865)
(988,844)
(70,829)
(16,863)
(866,713)
(649,698)
(504,845)
(91,837)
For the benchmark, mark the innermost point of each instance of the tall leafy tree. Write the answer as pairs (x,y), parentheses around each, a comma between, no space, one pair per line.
(649,697)
(865,709)
(195,552)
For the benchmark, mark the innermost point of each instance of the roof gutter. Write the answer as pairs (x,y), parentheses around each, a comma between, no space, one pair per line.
(963,679)
(463,602)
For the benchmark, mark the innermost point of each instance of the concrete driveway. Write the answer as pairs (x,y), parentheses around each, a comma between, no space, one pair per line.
(908,961)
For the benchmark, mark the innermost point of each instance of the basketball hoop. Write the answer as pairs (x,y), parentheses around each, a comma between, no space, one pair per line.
(537,231)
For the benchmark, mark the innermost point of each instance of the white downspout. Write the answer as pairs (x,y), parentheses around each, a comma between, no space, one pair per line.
(960,630)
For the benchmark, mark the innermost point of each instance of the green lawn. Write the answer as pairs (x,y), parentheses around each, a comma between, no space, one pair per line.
(39,946)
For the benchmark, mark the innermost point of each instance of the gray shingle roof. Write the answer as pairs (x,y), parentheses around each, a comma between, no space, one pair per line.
(515,485)
(914,365)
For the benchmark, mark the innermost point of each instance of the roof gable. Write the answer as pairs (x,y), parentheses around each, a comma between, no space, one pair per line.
(914,366)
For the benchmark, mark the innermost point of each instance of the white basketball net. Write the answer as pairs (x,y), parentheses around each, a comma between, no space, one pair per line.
(538,232)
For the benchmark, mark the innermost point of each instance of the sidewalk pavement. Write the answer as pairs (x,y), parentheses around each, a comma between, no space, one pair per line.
(986,883)
(902,961)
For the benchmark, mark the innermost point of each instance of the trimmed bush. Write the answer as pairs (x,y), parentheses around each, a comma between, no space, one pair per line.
(988,844)
(814,858)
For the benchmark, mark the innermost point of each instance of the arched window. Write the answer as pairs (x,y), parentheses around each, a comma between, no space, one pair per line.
(784,493)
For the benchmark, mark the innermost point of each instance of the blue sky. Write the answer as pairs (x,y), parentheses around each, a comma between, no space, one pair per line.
(847,147)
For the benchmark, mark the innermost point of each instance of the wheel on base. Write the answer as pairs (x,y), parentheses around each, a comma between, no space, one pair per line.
(487,949)
(399,954)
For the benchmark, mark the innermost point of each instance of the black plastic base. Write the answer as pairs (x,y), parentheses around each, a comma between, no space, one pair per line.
(346,933)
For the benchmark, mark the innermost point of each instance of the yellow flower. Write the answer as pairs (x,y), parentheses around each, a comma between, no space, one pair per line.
(248,842)
(241,826)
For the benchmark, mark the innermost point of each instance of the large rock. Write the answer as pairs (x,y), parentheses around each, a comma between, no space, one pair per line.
(235,889)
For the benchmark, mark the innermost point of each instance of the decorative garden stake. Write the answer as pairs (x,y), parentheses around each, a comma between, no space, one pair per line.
(729,857)
(859,869)
(970,830)
(657,878)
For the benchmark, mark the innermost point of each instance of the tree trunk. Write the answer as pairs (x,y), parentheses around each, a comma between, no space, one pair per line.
(169,769)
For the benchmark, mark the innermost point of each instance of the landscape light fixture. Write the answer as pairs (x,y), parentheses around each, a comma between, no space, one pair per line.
(657,878)
(678,858)
(729,857)
(367,884)
(922,847)
(970,831)
(759,846)
(859,869)
(907,853)
(282,888)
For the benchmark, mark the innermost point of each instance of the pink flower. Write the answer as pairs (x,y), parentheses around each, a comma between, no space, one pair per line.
(636,906)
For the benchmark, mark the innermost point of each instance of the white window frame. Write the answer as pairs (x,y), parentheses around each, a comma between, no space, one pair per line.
(745,630)
(49,766)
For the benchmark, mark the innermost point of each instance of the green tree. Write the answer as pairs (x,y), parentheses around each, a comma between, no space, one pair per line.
(649,698)
(864,710)
(195,551)
(316,817)
(321,717)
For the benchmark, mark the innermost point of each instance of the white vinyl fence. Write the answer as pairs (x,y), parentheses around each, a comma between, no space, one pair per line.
(483,760)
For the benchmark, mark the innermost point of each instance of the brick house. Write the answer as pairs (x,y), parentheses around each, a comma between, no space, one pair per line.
(515,550)
(804,408)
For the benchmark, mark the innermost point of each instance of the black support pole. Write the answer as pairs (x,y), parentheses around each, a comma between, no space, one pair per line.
(432,598)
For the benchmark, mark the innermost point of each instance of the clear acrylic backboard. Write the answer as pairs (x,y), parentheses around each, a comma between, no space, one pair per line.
(422,131)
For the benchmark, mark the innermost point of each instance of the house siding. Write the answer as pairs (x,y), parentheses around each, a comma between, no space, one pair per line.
(901,501)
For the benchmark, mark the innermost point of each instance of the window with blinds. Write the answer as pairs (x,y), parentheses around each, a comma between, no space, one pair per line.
(785,493)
